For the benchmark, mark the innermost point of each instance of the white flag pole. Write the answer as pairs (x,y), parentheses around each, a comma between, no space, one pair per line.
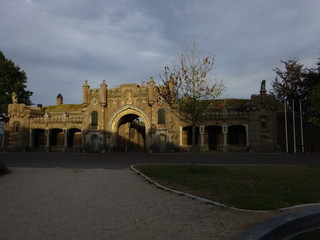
(294,129)
(301,127)
(286,126)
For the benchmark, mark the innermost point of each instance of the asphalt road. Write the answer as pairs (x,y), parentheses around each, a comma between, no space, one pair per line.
(125,159)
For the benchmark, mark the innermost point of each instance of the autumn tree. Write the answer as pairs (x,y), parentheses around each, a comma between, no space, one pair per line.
(12,79)
(188,87)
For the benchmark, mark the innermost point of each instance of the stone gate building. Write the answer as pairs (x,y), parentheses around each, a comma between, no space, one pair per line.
(132,117)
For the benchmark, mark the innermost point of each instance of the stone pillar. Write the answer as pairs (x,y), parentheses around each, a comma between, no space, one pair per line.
(65,132)
(152,97)
(202,131)
(30,137)
(225,137)
(85,93)
(180,135)
(247,134)
(103,93)
(47,132)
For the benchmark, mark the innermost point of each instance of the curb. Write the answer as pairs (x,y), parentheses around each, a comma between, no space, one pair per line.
(207,201)
(285,226)
(278,228)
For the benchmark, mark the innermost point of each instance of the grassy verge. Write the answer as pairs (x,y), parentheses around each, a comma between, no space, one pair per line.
(247,187)
(3,168)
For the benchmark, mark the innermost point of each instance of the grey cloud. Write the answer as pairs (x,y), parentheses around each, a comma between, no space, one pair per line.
(61,43)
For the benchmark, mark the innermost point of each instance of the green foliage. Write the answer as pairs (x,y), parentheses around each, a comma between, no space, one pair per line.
(12,79)
(3,168)
(297,82)
(288,84)
(314,99)
(247,187)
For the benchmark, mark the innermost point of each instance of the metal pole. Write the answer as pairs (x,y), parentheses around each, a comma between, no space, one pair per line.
(301,127)
(294,129)
(286,126)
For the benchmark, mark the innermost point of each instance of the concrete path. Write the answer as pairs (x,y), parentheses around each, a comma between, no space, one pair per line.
(74,204)
(124,160)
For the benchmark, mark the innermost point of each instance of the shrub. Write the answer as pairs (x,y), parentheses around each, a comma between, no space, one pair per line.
(3,168)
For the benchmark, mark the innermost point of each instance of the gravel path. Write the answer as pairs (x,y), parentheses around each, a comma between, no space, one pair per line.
(57,203)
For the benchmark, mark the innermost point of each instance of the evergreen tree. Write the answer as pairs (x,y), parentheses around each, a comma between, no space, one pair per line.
(288,84)
(12,79)
(297,82)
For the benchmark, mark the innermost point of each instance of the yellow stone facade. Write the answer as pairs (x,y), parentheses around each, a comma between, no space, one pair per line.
(132,117)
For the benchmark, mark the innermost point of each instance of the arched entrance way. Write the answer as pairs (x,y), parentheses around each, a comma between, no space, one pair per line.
(39,138)
(237,135)
(131,133)
(74,137)
(214,137)
(129,129)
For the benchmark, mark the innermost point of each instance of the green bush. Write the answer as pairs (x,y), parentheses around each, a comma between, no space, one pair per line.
(3,168)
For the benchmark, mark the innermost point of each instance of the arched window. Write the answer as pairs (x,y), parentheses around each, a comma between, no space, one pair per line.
(94,118)
(161,116)
(16,127)
(263,122)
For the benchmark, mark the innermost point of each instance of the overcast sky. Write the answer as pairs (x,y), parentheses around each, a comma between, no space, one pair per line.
(61,43)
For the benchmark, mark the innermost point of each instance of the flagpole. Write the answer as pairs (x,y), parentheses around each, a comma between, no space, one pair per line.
(294,129)
(286,126)
(301,127)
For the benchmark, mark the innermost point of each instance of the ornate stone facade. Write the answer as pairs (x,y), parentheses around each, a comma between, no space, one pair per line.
(133,117)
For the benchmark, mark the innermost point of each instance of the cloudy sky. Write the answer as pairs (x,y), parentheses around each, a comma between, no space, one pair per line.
(61,43)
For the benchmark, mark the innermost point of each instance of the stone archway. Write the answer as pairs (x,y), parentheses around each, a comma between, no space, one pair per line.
(131,133)
(124,114)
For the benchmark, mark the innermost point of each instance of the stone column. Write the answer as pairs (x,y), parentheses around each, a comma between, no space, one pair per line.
(47,132)
(247,133)
(201,135)
(225,135)
(31,131)
(65,132)
(180,135)
(202,130)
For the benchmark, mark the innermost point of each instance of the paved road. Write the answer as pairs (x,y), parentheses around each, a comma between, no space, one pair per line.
(124,160)
(94,196)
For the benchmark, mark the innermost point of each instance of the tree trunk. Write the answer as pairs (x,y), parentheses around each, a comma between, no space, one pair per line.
(193,144)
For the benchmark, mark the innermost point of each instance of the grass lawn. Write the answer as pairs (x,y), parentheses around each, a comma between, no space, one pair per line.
(247,187)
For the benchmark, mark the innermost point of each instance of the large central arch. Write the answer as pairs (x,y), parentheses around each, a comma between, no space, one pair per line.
(116,116)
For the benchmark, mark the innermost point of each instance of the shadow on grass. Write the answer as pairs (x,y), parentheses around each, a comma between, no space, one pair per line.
(246,187)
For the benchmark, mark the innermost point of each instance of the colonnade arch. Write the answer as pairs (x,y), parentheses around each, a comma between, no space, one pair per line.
(217,137)
(55,137)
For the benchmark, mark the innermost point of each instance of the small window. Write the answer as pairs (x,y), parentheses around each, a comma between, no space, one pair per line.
(161,116)
(94,118)
(263,123)
(16,127)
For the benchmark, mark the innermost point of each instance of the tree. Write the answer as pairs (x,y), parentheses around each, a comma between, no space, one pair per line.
(297,82)
(288,84)
(314,99)
(12,79)
(312,85)
(188,88)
